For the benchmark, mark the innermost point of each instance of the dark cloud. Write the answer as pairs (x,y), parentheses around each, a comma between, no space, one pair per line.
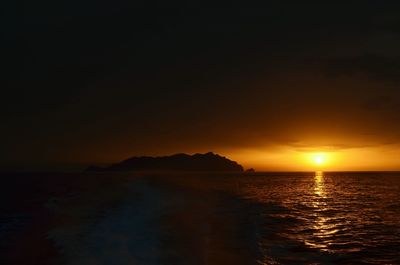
(302,147)
(376,68)
(95,81)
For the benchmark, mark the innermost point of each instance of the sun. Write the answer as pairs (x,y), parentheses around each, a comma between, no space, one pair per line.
(319,159)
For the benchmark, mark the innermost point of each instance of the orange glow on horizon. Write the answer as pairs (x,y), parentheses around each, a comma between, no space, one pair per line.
(289,159)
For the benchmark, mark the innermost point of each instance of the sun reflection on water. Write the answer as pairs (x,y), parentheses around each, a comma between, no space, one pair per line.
(323,228)
(319,188)
(326,215)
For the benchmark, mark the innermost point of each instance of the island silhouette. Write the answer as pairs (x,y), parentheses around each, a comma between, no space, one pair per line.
(177,162)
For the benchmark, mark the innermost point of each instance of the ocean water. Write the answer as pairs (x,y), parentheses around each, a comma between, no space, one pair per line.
(342,218)
(263,218)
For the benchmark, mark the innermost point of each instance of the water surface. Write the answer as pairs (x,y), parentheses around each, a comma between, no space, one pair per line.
(263,218)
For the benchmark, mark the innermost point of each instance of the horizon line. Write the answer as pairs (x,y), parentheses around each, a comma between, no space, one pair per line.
(198,172)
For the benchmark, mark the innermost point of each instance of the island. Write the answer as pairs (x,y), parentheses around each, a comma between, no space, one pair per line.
(178,162)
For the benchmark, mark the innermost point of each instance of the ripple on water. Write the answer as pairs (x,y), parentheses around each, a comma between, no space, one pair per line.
(332,217)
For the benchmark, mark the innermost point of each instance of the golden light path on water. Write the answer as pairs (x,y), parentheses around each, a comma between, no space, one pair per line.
(322,228)
(313,219)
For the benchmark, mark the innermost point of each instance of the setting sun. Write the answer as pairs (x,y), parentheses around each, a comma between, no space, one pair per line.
(319,159)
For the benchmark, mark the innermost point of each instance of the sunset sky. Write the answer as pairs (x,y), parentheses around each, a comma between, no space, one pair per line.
(89,82)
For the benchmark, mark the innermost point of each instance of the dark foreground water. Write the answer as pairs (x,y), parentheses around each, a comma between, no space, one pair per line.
(293,218)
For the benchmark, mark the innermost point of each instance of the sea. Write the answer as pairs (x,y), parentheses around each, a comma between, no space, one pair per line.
(200,218)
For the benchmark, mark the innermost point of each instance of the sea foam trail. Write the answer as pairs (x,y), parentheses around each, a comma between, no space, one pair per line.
(159,222)
(126,234)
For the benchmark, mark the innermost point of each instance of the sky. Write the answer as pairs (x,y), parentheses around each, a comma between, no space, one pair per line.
(94,82)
